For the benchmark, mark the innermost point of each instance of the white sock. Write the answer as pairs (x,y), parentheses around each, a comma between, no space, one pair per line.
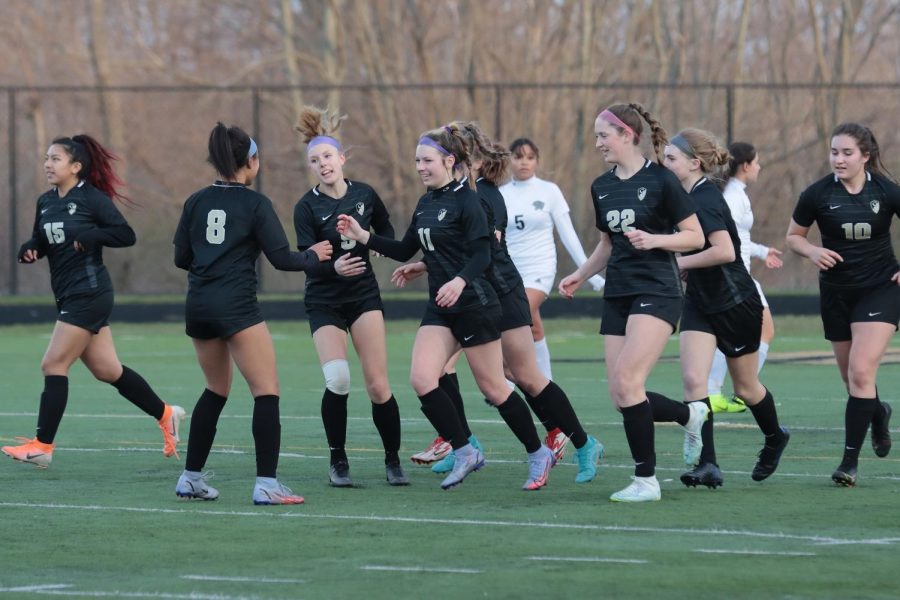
(267,481)
(717,374)
(763,352)
(543,357)
(192,475)
(510,385)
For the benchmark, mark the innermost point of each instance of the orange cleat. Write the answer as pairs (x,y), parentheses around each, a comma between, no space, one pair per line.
(32,451)
(169,424)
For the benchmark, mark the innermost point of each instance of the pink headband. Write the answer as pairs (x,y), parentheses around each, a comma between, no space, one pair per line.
(610,117)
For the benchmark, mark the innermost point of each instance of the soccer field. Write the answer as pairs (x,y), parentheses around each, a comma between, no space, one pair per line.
(103,520)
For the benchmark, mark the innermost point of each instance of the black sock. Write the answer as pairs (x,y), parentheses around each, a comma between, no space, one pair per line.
(136,390)
(449,382)
(204,418)
(515,412)
(880,413)
(266,434)
(334,417)
(539,408)
(857,417)
(387,421)
(666,410)
(708,453)
(53,404)
(555,401)
(638,421)
(767,418)
(439,411)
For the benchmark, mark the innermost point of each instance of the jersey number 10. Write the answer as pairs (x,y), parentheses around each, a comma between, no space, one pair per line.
(857,231)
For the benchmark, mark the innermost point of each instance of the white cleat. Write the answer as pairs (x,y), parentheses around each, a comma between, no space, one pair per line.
(693,441)
(466,462)
(191,487)
(642,489)
(264,493)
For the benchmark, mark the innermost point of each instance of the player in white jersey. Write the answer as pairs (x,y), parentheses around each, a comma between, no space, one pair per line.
(743,170)
(535,206)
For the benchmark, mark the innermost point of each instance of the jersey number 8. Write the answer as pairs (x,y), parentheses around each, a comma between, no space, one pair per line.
(215,226)
(620,220)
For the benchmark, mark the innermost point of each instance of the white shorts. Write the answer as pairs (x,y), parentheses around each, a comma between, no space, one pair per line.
(762,296)
(538,276)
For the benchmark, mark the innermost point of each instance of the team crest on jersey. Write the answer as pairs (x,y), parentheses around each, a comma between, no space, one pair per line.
(72,208)
(875,205)
(538,205)
(441,214)
(642,193)
(360,208)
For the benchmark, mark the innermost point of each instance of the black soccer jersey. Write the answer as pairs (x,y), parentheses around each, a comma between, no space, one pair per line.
(856,226)
(651,200)
(719,287)
(222,230)
(85,215)
(315,220)
(446,223)
(502,274)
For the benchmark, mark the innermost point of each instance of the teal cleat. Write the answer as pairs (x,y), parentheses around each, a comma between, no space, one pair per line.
(588,457)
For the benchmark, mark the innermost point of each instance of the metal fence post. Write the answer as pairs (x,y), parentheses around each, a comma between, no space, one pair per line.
(13,196)
(729,111)
(257,184)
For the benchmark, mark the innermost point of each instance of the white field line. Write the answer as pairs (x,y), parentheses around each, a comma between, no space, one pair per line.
(812,539)
(413,420)
(589,559)
(117,594)
(240,579)
(419,569)
(35,588)
(490,461)
(754,552)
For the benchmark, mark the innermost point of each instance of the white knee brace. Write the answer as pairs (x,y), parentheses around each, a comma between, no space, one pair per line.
(337,376)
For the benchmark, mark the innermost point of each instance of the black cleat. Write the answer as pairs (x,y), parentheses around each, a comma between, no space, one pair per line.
(769,457)
(395,475)
(707,474)
(339,474)
(881,433)
(845,475)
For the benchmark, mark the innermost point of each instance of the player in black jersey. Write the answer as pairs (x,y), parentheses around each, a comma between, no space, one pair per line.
(548,401)
(222,230)
(449,226)
(859,279)
(721,309)
(644,217)
(72,223)
(336,304)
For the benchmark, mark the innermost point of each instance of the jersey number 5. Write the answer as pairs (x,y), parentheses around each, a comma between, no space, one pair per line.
(620,220)
(215,226)
(55,233)
(425,238)
(347,243)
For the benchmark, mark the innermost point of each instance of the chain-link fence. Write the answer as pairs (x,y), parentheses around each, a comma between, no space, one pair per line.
(161,135)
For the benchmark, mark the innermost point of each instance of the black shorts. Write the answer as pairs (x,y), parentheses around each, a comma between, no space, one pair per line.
(617,310)
(471,327)
(89,311)
(737,329)
(206,329)
(841,306)
(516,311)
(342,315)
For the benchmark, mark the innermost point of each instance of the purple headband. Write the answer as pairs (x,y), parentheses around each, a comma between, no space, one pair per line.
(323,139)
(427,141)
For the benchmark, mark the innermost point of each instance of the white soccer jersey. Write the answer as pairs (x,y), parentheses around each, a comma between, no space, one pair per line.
(532,206)
(742,213)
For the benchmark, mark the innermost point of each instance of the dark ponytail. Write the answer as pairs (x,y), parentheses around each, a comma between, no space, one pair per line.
(742,153)
(96,164)
(229,149)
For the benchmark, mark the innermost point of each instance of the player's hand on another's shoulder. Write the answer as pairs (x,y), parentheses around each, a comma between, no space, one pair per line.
(349,266)
(323,250)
